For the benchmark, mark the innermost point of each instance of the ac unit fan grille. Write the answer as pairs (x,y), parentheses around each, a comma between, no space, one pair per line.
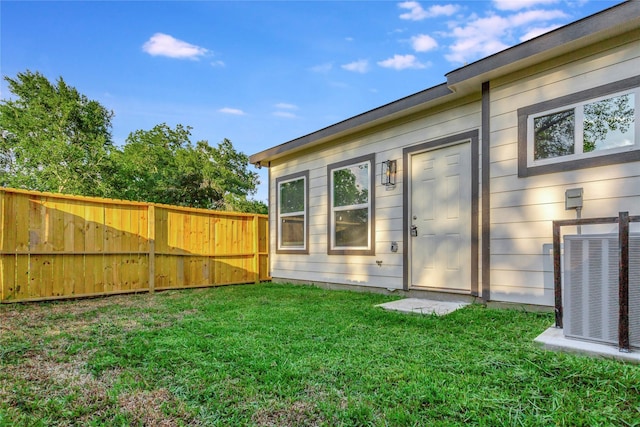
(591,303)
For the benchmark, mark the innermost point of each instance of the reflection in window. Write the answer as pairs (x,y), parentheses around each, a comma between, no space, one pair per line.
(554,135)
(609,123)
(350,188)
(292,199)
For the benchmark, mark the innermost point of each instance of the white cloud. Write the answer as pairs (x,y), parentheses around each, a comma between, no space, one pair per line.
(485,36)
(285,114)
(417,13)
(423,43)
(535,32)
(520,4)
(165,45)
(217,64)
(285,106)
(359,66)
(233,111)
(322,68)
(524,18)
(401,62)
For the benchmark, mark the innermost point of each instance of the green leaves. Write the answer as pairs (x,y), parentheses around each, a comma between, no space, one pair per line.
(52,138)
(163,166)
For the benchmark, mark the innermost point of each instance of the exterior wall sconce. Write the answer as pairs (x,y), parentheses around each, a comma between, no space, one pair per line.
(388,176)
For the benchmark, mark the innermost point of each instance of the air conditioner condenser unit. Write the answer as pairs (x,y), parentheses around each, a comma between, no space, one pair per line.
(590,288)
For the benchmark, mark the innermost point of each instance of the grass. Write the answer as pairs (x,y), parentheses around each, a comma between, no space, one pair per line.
(278,355)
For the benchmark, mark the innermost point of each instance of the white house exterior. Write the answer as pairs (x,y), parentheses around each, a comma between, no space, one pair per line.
(483,163)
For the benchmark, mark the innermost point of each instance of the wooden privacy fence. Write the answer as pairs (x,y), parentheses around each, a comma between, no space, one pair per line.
(60,246)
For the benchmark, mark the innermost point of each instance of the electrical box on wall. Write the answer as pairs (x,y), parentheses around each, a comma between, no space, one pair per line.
(573,198)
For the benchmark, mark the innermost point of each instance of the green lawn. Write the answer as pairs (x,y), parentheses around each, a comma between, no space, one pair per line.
(276,355)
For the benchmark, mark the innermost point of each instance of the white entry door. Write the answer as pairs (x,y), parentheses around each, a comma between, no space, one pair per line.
(440,219)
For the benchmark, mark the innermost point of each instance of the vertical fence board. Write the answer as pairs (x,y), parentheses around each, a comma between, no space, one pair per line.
(5,277)
(59,279)
(94,237)
(79,226)
(21,290)
(73,273)
(8,227)
(21,223)
(57,225)
(8,267)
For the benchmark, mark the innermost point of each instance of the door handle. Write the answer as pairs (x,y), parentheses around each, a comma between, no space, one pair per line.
(414,231)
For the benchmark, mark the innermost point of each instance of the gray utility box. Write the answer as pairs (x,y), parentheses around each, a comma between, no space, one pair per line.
(590,288)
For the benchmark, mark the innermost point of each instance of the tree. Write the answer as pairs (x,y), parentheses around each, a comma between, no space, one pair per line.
(161,165)
(52,138)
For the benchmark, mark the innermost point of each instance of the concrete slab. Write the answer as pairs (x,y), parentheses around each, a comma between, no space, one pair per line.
(422,306)
(554,339)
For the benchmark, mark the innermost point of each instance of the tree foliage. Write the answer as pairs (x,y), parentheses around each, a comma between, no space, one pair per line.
(52,138)
(161,165)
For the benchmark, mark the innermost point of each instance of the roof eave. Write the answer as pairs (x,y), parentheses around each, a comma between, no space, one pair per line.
(385,113)
(600,26)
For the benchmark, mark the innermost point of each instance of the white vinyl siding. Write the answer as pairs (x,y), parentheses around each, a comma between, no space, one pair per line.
(523,208)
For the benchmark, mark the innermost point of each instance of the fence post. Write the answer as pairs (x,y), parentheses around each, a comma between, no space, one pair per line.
(256,249)
(623,279)
(151,218)
(557,274)
(3,281)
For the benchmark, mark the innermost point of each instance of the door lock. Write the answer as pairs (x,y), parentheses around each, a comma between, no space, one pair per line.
(414,231)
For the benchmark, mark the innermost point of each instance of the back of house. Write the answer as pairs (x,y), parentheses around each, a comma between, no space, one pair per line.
(454,189)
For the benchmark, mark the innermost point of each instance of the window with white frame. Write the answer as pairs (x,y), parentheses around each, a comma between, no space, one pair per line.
(292,202)
(592,128)
(588,128)
(351,196)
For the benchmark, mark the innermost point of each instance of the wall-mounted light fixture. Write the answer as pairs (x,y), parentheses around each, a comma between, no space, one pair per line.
(388,176)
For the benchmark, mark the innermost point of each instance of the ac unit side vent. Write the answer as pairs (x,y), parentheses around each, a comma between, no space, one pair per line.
(591,303)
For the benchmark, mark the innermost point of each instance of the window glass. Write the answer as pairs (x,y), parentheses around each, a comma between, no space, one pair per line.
(554,135)
(350,206)
(352,227)
(590,128)
(609,123)
(292,196)
(292,231)
(351,185)
(292,215)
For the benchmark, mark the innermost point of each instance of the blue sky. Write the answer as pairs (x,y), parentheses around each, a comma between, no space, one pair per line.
(260,73)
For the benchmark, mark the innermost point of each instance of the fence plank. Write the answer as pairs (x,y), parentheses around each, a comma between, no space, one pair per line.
(151,246)
(21,221)
(21,290)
